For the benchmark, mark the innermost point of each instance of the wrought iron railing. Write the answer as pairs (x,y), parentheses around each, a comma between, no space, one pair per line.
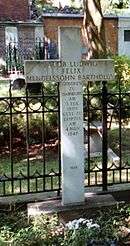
(14,53)
(107,134)
(29,140)
(30,137)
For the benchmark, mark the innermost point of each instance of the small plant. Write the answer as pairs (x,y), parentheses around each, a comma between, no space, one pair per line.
(79,232)
(44,230)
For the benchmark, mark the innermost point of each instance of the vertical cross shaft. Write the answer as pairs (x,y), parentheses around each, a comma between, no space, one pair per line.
(71,107)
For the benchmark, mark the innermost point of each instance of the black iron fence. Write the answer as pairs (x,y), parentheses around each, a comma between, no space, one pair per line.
(30,137)
(107,132)
(14,53)
(29,140)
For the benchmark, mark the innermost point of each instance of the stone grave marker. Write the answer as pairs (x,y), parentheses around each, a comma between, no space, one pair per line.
(70,71)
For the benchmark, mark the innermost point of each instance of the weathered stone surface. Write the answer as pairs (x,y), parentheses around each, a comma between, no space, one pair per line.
(70,71)
(92,70)
(71,105)
(67,213)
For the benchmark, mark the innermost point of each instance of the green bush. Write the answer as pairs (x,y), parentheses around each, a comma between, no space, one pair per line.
(35,126)
(46,230)
(42,230)
(121,83)
(34,122)
(122,73)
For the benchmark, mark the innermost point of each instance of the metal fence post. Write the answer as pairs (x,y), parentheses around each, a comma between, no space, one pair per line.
(104,135)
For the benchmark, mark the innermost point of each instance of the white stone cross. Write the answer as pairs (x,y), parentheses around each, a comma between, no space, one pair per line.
(70,71)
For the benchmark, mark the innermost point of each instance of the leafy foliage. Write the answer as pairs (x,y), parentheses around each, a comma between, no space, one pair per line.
(119,3)
(42,230)
(46,230)
(37,126)
(122,70)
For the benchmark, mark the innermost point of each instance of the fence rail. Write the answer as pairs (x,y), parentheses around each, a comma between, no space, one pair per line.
(14,53)
(29,152)
(30,137)
(108,133)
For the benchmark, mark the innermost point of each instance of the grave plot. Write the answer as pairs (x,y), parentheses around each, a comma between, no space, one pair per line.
(70,71)
(54,93)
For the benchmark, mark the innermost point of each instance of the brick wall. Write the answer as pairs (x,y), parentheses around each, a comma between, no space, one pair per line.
(51,25)
(14,10)
(51,28)
(111,31)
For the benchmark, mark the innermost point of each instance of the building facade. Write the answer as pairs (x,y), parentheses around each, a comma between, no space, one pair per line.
(22,31)
(53,21)
(19,33)
(14,10)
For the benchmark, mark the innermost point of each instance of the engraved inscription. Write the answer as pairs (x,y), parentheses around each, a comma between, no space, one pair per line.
(59,71)
(72,114)
(73,167)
